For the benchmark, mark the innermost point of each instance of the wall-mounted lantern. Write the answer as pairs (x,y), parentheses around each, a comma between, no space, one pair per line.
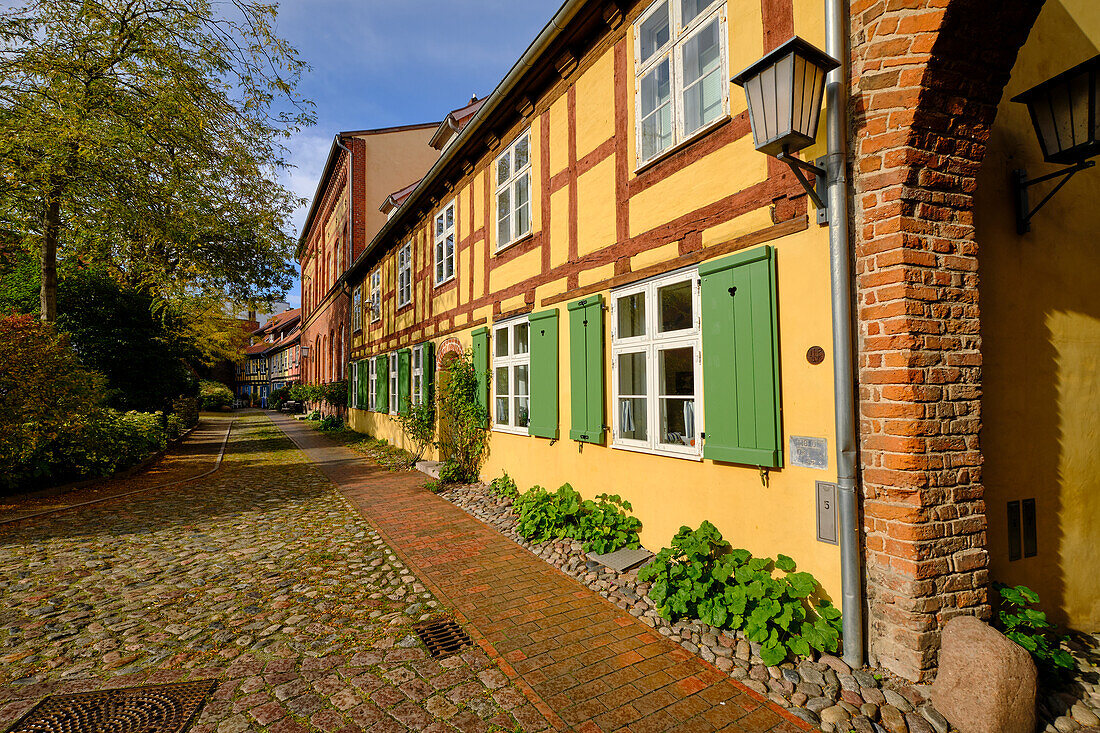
(1064,111)
(305,352)
(784,90)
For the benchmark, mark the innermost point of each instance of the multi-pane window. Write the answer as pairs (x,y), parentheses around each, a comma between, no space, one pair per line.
(419,393)
(404,275)
(511,376)
(376,296)
(681,80)
(372,384)
(656,355)
(445,244)
(514,191)
(393,383)
(357,309)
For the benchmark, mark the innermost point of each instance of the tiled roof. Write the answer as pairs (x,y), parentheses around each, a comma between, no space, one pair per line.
(396,198)
(454,123)
(256,349)
(279,320)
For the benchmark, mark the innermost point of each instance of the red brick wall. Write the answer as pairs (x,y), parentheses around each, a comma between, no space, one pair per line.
(927,77)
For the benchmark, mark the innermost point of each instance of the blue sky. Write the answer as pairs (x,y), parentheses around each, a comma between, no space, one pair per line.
(377,64)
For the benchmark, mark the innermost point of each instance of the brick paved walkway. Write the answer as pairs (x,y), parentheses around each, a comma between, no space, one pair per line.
(587,665)
(260,576)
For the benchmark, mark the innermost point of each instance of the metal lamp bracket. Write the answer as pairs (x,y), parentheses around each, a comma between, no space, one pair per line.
(797,166)
(1020,184)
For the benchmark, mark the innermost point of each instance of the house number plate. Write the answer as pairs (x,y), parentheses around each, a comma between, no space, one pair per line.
(826,512)
(809,452)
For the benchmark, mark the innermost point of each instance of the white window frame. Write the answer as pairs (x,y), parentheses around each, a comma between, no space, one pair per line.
(372,383)
(506,330)
(353,384)
(376,295)
(650,344)
(417,391)
(443,263)
(404,275)
(511,184)
(679,35)
(393,382)
(357,310)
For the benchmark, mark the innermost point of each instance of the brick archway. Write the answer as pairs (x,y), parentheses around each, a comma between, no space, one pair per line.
(927,78)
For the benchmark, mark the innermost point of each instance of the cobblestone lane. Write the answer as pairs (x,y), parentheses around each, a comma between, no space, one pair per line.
(259,576)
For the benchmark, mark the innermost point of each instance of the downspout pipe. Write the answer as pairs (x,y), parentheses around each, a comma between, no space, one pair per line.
(844,383)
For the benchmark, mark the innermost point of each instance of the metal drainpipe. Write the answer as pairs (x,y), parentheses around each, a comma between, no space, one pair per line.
(351,250)
(844,385)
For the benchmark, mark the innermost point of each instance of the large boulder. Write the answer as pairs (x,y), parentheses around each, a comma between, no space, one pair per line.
(986,683)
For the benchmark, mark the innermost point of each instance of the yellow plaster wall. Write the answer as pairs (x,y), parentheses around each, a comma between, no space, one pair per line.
(1040,327)
(596,114)
(669,492)
(729,169)
(559,227)
(559,135)
(595,208)
(516,270)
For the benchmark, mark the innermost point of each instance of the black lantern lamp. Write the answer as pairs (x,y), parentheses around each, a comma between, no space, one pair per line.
(1067,122)
(784,90)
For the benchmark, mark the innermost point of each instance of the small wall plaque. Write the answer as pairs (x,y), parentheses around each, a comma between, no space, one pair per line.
(826,512)
(809,452)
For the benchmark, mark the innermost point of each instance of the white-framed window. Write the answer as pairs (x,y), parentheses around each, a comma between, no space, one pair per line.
(419,386)
(511,376)
(445,244)
(656,353)
(357,309)
(404,275)
(513,168)
(376,295)
(680,73)
(372,384)
(393,383)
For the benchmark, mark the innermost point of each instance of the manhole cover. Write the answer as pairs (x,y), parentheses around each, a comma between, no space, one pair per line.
(167,708)
(442,637)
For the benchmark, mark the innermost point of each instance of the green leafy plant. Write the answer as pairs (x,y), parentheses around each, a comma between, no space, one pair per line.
(605,525)
(701,576)
(1030,628)
(463,442)
(315,415)
(503,486)
(330,423)
(602,525)
(418,424)
(544,515)
(435,486)
(214,396)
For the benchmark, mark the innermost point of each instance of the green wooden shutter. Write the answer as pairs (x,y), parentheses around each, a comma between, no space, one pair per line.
(382,383)
(427,366)
(586,364)
(741,359)
(404,376)
(364,382)
(544,374)
(481,367)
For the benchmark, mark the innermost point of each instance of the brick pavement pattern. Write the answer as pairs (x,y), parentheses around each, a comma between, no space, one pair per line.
(260,576)
(587,665)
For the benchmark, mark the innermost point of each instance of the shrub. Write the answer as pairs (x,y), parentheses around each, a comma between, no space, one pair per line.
(334,393)
(1029,628)
(175,426)
(187,409)
(503,486)
(602,525)
(331,423)
(462,421)
(418,425)
(435,486)
(315,415)
(701,576)
(214,396)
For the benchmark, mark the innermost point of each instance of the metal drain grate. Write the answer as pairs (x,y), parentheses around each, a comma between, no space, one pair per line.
(167,708)
(442,636)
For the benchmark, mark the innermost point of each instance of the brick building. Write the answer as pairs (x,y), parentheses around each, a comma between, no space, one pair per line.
(342,218)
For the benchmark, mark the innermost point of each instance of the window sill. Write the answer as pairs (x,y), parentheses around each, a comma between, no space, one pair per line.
(686,142)
(442,283)
(510,430)
(698,457)
(404,307)
(514,242)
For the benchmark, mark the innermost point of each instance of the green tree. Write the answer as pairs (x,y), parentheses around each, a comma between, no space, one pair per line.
(146,135)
